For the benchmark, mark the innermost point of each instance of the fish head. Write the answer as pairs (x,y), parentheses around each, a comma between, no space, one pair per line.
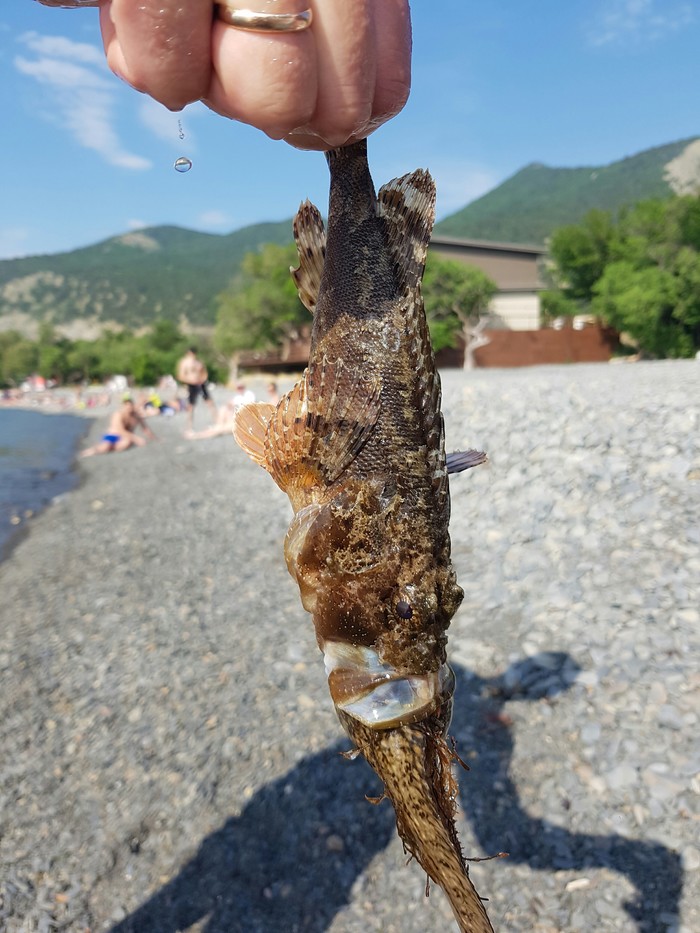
(362,579)
(381,602)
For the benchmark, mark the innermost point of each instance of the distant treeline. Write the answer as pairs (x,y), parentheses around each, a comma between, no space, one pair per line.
(638,272)
(257,312)
(144,359)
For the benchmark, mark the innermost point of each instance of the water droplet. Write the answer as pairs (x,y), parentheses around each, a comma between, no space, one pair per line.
(180,131)
(182,164)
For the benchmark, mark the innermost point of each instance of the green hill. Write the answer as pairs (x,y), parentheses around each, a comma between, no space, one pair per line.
(158,272)
(537,199)
(172,273)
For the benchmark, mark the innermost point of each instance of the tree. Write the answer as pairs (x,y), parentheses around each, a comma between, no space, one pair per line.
(640,274)
(52,361)
(165,335)
(457,298)
(580,253)
(19,360)
(554,304)
(84,361)
(640,302)
(262,308)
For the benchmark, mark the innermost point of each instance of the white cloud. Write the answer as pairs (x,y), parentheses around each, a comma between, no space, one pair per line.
(81,95)
(58,74)
(213,218)
(60,47)
(136,224)
(634,22)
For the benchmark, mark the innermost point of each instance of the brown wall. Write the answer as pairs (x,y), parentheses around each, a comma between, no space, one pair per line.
(593,344)
(506,348)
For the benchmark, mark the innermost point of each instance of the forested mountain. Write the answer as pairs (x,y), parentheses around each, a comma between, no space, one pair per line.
(176,274)
(537,199)
(157,272)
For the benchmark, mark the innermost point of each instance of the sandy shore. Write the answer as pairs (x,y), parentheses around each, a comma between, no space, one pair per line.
(170,754)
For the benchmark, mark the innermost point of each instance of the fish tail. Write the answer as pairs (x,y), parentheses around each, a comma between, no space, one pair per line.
(414,763)
(358,270)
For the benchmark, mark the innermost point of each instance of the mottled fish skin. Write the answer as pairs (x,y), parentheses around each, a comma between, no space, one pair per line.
(358,446)
(415,765)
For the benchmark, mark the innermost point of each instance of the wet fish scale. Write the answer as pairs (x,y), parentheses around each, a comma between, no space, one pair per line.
(358,446)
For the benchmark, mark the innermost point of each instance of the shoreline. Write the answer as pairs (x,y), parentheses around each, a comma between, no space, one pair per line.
(34,481)
(172,755)
(100,404)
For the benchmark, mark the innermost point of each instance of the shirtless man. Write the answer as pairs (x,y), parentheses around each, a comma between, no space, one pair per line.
(120,433)
(192,372)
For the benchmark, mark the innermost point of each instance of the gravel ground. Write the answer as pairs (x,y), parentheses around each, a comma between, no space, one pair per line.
(170,756)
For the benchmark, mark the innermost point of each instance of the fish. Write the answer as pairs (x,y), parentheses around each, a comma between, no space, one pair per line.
(358,445)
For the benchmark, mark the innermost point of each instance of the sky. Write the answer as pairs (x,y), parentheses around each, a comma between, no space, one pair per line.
(495,87)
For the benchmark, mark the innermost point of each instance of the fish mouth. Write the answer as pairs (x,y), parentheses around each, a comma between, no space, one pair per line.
(377,694)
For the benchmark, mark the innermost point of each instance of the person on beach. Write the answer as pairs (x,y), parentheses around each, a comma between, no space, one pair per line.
(225,415)
(223,424)
(316,74)
(120,433)
(243,396)
(192,372)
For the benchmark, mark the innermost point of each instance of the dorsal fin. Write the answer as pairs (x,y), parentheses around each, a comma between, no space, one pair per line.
(310,239)
(407,205)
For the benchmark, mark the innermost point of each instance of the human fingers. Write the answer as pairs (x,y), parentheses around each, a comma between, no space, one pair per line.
(392,29)
(346,66)
(265,79)
(160,47)
(320,88)
(364,70)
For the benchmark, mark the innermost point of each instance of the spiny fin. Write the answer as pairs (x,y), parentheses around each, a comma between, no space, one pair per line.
(250,427)
(321,425)
(310,239)
(460,460)
(408,206)
(427,395)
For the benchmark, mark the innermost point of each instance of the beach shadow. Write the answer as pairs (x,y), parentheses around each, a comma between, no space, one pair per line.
(277,866)
(492,806)
(289,861)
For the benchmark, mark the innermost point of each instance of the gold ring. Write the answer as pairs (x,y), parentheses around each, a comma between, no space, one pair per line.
(263,22)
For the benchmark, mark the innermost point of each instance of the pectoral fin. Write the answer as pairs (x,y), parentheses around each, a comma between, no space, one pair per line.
(321,425)
(250,427)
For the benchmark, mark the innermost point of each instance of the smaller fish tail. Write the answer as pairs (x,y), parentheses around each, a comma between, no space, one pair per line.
(414,763)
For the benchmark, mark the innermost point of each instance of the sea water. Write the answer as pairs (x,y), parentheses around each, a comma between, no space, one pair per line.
(37,459)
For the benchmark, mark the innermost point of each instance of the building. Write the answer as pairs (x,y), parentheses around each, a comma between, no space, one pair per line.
(514,268)
(514,336)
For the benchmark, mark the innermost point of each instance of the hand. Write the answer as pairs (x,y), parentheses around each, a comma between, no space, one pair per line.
(317,89)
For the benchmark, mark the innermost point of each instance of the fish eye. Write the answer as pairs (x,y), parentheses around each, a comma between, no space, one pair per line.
(404,609)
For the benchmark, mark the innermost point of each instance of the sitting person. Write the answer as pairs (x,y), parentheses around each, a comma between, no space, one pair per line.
(243,396)
(223,424)
(120,433)
(154,405)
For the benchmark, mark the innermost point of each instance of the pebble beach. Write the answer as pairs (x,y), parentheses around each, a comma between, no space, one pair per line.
(171,760)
